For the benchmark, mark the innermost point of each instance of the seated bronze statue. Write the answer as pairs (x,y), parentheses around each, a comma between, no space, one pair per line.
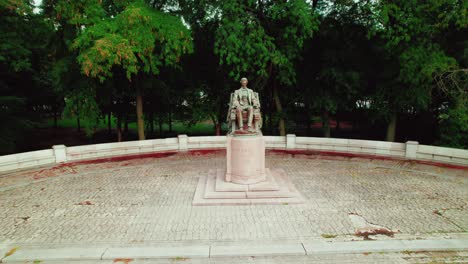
(244,115)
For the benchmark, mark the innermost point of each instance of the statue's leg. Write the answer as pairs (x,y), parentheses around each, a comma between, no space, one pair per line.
(250,111)
(239,117)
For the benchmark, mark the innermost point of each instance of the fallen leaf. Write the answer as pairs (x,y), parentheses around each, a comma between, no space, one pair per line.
(85,203)
(10,252)
(123,260)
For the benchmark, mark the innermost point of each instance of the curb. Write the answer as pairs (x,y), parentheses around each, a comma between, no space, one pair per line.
(227,249)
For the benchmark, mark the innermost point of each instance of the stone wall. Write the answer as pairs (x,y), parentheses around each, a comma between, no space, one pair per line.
(410,150)
(27,160)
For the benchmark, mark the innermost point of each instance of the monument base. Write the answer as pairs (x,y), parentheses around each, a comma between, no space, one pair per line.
(245,159)
(276,189)
(246,180)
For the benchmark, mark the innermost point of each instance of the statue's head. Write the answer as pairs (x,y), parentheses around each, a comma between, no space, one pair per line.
(244,82)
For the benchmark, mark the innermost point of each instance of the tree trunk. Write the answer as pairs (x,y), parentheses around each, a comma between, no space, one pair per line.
(170,119)
(119,128)
(279,110)
(307,121)
(78,124)
(314,3)
(152,122)
(326,124)
(218,129)
(126,124)
(55,117)
(160,123)
(139,110)
(391,128)
(270,121)
(216,125)
(109,125)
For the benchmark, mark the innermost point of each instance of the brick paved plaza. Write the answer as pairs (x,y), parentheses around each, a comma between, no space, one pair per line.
(149,200)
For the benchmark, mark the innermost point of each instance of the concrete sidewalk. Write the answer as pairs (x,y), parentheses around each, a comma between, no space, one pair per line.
(184,250)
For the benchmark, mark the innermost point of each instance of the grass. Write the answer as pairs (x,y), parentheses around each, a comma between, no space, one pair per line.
(178,127)
(328,236)
(179,259)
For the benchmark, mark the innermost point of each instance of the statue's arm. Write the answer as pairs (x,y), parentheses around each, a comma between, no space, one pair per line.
(235,101)
(255,101)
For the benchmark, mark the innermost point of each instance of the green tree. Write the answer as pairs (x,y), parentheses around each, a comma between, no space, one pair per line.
(264,39)
(412,31)
(336,62)
(25,93)
(138,39)
(209,87)
(454,115)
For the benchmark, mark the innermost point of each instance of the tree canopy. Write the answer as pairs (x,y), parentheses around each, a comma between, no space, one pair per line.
(393,70)
(138,39)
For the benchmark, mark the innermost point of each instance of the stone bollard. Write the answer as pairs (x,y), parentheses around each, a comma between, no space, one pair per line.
(290,141)
(411,149)
(183,142)
(60,153)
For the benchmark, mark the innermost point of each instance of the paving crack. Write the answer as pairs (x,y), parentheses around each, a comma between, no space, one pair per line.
(441,214)
(305,251)
(102,255)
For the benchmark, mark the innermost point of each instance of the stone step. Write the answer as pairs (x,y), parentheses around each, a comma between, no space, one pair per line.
(206,193)
(282,191)
(222,186)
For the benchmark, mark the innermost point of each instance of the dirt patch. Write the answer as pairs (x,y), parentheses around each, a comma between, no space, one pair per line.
(365,229)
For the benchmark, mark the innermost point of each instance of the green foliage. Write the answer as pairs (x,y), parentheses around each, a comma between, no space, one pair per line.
(23,70)
(15,48)
(407,85)
(419,65)
(386,55)
(263,40)
(14,122)
(410,21)
(138,39)
(81,103)
(255,36)
(84,12)
(336,61)
(412,32)
(178,127)
(206,88)
(454,126)
(337,89)
(115,37)
(243,44)
(453,119)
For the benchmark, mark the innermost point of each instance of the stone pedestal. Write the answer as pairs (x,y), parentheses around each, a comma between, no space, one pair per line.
(245,159)
(245,180)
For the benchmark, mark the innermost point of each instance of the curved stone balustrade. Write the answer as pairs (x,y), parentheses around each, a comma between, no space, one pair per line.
(410,150)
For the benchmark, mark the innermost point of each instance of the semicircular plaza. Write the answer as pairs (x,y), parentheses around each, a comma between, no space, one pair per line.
(147,200)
